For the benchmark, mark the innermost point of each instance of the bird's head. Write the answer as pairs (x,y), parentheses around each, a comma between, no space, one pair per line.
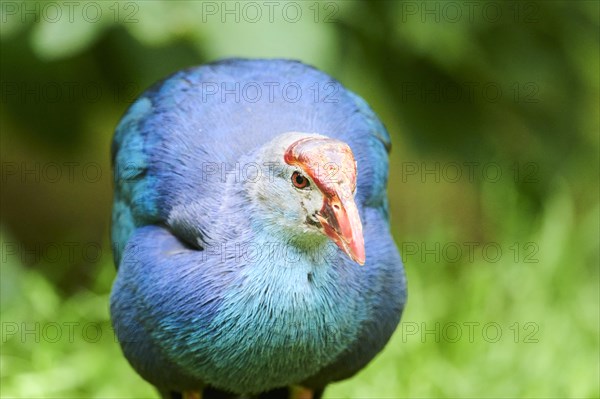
(306,190)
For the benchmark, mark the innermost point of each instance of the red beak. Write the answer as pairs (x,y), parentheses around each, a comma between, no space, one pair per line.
(330,163)
(341,223)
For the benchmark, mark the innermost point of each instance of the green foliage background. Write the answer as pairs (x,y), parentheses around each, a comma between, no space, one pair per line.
(541,293)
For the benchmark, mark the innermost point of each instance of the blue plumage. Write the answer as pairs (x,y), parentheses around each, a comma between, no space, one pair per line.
(216,284)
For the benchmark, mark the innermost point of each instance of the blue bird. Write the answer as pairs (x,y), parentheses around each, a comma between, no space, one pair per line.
(247,195)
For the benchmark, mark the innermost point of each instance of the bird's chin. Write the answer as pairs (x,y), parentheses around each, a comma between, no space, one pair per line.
(308,238)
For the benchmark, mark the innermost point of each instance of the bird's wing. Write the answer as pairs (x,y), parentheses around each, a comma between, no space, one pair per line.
(134,204)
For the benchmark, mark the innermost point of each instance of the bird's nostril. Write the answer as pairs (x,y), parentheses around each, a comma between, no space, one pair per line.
(313,221)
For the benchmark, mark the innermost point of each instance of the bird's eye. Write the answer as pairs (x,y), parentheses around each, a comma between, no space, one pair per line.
(299,181)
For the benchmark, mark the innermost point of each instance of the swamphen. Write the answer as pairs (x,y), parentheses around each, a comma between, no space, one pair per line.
(248,193)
